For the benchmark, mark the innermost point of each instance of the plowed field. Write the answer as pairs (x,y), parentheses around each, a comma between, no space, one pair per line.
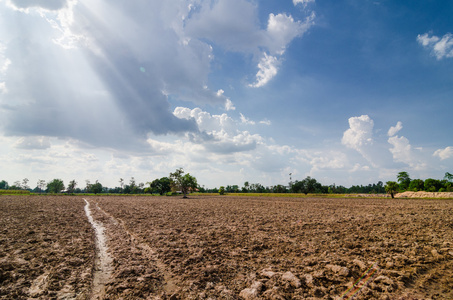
(227,248)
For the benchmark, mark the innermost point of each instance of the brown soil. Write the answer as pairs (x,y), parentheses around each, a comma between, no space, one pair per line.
(230,247)
(46,248)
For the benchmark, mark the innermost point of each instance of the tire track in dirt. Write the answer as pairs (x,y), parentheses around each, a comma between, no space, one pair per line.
(103,261)
(119,233)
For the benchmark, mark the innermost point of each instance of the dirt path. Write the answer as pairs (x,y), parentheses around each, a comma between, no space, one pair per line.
(103,262)
(134,269)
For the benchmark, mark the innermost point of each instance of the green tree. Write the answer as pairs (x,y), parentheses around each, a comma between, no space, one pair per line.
(161,186)
(222,190)
(25,184)
(96,188)
(308,185)
(448,177)
(432,185)
(3,185)
(41,185)
(416,185)
(71,186)
(55,186)
(391,187)
(245,189)
(184,183)
(404,180)
(16,186)
(279,189)
(121,183)
(133,188)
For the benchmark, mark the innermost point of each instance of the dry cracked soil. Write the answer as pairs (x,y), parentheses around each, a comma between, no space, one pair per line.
(225,247)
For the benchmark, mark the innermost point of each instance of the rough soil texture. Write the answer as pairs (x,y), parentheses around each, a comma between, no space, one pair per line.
(230,247)
(46,248)
(256,248)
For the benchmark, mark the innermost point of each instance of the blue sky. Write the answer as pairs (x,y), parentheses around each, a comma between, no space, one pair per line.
(348,92)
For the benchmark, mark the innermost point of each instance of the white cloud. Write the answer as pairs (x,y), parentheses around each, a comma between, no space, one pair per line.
(402,151)
(394,129)
(204,120)
(246,121)
(359,134)
(444,153)
(233,24)
(229,105)
(440,47)
(220,133)
(357,167)
(303,2)
(425,40)
(327,160)
(282,29)
(4,64)
(33,142)
(268,68)
(23,5)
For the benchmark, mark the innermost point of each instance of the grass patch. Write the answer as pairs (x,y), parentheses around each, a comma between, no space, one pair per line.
(14,192)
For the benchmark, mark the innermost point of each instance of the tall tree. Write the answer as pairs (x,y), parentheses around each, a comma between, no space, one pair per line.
(88,186)
(121,183)
(404,180)
(25,184)
(96,188)
(416,185)
(448,176)
(160,186)
(3,185)
(71,186)
(181,182)
(246,187)
(41,185)
(308,185)
(55,186)
(433,185)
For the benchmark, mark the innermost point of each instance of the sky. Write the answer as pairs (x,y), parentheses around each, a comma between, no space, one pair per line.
(348,92)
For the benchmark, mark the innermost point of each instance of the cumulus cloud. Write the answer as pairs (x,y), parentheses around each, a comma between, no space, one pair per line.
(282,29)
(124,64)
(359,134)
(233,24)
(221,133)
(116,71)
(394,129)
(268,68)
(360,138)
(440,47)
(444,153)
(403,152)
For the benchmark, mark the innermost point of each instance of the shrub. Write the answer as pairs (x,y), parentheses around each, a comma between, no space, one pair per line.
(222,190)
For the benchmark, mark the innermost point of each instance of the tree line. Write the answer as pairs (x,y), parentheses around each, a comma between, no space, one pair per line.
(174,183)
(178,181)
(404,183)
